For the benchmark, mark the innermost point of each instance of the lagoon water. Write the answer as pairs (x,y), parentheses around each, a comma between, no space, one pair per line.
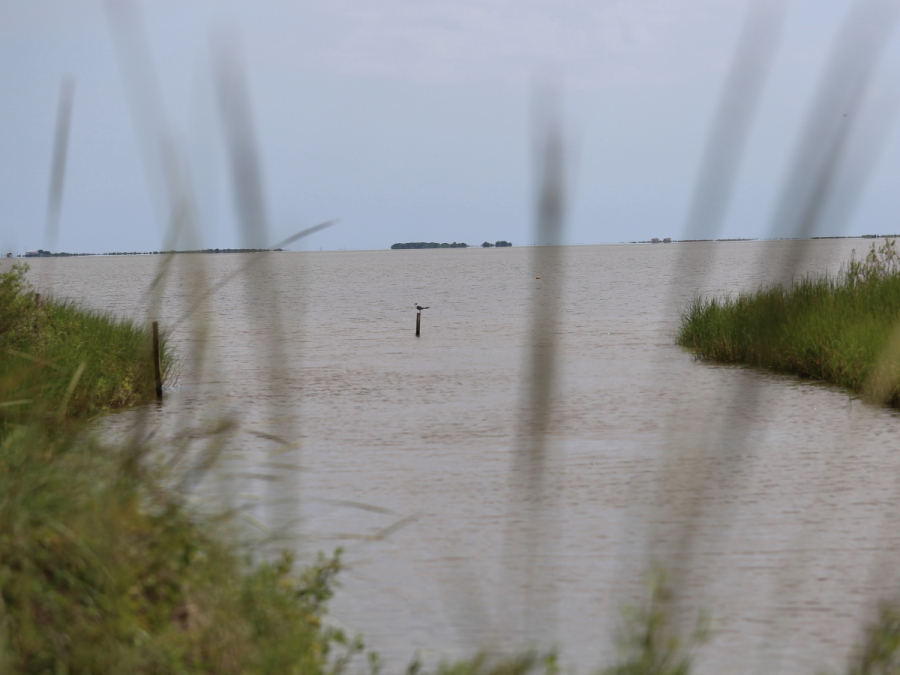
(774,497)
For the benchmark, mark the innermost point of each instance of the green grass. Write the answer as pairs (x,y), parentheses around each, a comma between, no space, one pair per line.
(103,572)
(833,328)
(61,360)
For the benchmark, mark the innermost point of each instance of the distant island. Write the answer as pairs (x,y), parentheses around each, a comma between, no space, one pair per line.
(434,244)
(41,253)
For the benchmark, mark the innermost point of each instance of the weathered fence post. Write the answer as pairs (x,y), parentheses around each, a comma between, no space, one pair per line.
(418,321)
(157,370)
(37,305)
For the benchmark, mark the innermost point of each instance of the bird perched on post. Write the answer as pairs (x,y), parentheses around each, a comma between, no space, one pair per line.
(419,307)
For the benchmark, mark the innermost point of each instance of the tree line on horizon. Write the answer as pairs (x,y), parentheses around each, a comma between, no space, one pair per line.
(40,253)
(434,244)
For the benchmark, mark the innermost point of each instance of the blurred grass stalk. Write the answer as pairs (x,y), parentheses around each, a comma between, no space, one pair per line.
(167,166)
(533,530)
(283,498)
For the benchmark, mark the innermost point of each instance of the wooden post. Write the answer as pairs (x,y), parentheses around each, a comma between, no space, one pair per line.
(157,370)
(418,321)
(37,305)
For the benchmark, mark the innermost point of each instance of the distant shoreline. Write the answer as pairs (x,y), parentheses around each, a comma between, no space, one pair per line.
(691,241)
(63,254)
(40,253)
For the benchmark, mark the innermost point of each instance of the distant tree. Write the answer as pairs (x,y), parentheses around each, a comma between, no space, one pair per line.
(503,243)
(428,244)
(487,244)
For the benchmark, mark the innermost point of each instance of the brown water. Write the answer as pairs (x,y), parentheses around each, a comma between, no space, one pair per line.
(786,490)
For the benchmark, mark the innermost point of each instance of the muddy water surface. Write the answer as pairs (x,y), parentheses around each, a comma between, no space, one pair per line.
(776,495)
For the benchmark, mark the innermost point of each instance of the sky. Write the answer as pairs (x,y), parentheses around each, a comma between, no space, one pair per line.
(412,120)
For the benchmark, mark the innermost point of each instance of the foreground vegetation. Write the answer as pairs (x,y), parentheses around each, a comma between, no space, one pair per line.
(840,329)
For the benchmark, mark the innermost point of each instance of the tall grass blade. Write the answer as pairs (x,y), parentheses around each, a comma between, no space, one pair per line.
(688,456)
(58,164)
(737,109)
(246,173)
(818,187)
(823,145)
(70,389)
(534,528)
(168,174)
(240,140)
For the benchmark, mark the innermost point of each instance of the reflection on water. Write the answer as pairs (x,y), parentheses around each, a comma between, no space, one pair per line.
(405,444)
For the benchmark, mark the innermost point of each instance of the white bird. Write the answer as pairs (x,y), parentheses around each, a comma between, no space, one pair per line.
(419,307)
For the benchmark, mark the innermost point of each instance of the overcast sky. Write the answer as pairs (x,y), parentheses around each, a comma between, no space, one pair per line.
(409,120)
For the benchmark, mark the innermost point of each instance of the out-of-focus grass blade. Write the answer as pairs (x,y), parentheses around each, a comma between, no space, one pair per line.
(283,500)
(163,163)
(304,233)
(817,186)
(166,168)
(58,165)
(734,117)
(725,144)
(237,125)
(533,530)
(832,115)
(144,96)
(817,160)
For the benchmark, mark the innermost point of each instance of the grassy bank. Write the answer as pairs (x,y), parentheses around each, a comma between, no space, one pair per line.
(834,328)
(60,360)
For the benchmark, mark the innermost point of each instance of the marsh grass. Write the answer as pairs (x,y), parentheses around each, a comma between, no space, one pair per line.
(649,642)
(103,572)
(879,653)
(832,328)
(61,360)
